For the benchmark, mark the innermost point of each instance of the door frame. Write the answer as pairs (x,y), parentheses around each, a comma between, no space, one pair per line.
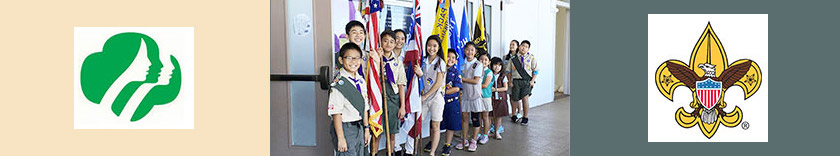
(280,137)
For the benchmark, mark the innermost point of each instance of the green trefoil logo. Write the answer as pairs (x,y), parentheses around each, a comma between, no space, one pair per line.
(130,76)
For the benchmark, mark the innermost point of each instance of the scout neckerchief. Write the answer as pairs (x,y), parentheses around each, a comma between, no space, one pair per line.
(519,67)
(356,82)
(388,72)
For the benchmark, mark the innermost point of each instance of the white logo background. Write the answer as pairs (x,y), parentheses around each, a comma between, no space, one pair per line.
(673,36)
(179,114)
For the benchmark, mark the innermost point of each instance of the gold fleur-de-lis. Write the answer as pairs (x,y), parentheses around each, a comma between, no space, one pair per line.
(708,50)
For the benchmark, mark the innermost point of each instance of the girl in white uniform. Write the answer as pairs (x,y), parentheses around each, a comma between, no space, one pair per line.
(432,95)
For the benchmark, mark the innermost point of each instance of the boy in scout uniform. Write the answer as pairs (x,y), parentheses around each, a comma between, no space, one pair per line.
(356,33)
(394,86)
(452,109)
(523,69)
(348,105)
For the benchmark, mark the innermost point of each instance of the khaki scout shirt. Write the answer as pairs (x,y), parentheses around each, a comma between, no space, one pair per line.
(338,104)
(398,70)
(529,62)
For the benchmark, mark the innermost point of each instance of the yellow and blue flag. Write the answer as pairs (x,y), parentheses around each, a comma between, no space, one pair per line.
(442,25)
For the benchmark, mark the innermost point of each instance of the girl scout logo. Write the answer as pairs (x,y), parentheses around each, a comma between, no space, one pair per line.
(708,75)
(130,77)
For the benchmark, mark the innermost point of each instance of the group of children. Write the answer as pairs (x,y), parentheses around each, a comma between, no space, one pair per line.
(472,97)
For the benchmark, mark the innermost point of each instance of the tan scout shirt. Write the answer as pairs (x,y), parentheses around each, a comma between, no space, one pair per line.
(399,72)
(338,104)
(529,62)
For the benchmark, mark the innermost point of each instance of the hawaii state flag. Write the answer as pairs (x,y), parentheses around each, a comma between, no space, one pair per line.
(412,57)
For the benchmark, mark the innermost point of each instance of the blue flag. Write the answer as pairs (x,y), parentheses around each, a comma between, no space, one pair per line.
(464,37)
(454,38)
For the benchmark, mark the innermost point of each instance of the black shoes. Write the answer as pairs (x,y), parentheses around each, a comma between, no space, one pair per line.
(524,121)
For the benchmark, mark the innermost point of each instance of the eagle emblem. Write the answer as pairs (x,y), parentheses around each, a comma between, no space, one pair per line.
(708,74)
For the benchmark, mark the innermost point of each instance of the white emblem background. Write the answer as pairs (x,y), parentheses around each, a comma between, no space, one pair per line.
(179,114)
(673,36)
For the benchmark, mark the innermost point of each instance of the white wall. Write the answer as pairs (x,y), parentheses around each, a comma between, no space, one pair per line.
(534,20)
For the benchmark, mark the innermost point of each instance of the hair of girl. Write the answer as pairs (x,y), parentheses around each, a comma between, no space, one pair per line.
(399,31)
(435,38)
(514,50)
(494,61)
(481,53)
(470,43)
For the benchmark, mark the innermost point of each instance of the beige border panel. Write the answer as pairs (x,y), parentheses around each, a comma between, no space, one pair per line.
(231,78)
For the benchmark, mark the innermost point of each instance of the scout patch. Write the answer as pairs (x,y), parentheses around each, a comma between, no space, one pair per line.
(708,76)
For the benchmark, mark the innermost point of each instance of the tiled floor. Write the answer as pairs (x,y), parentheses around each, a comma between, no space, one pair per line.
(546,134)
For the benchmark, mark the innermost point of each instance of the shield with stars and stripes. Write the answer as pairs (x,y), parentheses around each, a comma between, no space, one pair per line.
(709,92)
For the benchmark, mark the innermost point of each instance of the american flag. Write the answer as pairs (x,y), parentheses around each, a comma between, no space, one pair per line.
(708,91)
(372,76)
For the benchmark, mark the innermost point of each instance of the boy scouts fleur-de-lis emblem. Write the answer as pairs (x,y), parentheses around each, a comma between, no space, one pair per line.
(708,77)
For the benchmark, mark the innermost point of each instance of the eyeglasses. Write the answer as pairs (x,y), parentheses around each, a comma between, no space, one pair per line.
(353,58)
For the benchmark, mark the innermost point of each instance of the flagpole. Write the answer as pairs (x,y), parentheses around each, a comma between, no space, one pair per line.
(417,132)
(385,106)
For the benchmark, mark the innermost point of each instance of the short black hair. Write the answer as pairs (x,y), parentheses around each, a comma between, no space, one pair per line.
(526,42)
(470,43)
(452,51)
(495,60)
(388,33)
(349,46)
(481,53)
(399,31)
(352,24)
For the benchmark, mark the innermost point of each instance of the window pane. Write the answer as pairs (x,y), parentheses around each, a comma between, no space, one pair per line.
(301,61)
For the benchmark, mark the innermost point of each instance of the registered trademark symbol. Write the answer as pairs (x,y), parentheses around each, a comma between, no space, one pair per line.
(745,125)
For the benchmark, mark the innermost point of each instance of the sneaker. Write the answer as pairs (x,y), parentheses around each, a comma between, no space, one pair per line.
(462,145)
(501,129)
(524,122)
(473,146)
(428,147)
(499,136)
(445,150)
(482,139)
(513,119)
